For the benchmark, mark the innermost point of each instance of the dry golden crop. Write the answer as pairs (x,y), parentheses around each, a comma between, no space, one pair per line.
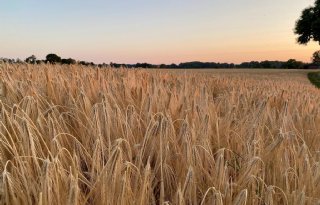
(78,135)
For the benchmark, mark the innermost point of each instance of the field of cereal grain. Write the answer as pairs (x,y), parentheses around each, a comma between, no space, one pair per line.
(78,135)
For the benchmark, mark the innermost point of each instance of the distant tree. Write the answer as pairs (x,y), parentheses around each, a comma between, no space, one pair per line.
(68,61)
(163,66)
(252,64)
(102,65)
(293,64)
(276,64)
(316,57)
(40,61)
(83,63)
(308,26)
(265,64)
(87,63)
(144,65)
(173,66)
(31,59)
(53,58)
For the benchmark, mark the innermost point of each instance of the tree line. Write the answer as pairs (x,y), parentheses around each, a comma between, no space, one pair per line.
(290,64)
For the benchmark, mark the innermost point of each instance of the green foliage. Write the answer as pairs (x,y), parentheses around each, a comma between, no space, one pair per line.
(31,59)
(293,64)
(314,78)
(87,63)
(144,65)
(197,64)
(68,61)
(53,58)
(308,26)
(316,57)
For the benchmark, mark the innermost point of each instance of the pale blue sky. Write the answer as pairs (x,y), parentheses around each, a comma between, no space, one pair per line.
(153,31)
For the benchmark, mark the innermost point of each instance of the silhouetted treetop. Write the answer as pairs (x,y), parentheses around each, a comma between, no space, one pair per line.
(68,61)
(316,57)
(308,26)
(53,58)
(31,59)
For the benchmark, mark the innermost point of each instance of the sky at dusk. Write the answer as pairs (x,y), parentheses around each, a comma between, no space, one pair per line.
(162,31)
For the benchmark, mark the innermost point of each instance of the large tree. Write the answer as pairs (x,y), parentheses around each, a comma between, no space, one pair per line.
(53,58)
(308,26)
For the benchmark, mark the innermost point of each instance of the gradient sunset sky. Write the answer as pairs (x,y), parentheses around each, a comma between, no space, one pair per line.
(163,31)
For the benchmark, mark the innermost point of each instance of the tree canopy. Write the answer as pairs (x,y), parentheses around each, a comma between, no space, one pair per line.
(53,58)
(316,57)
(31,59)
(68,61)
(308,26)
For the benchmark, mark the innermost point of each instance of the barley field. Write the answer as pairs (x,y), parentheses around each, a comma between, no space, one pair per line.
(79,135)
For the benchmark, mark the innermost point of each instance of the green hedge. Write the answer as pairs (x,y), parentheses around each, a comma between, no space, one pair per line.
(314,78)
